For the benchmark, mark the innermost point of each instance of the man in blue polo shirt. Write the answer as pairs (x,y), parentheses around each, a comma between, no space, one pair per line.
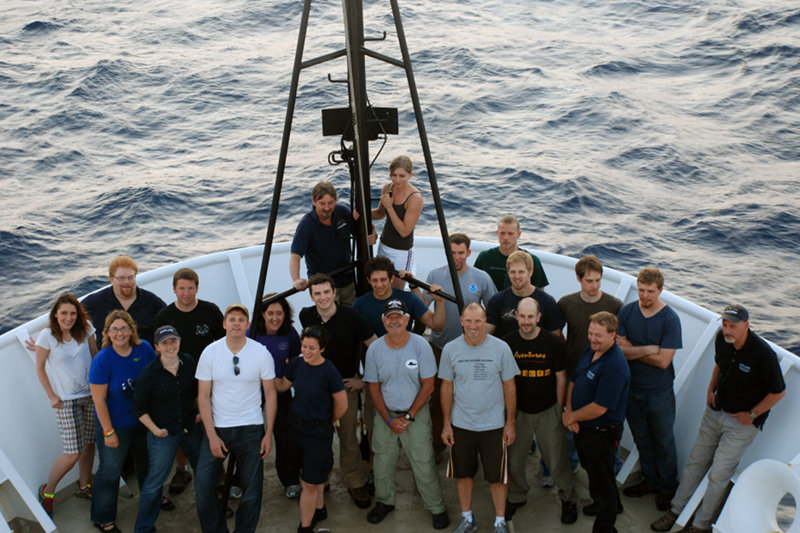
(649,335)
(596,400)
(323,238)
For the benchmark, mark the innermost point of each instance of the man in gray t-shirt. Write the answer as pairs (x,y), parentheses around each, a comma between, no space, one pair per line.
(476,286)
(479,402)
(399,370)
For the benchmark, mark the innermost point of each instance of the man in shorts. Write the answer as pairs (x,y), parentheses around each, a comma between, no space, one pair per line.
(479,404)
(232,374)
(399,371)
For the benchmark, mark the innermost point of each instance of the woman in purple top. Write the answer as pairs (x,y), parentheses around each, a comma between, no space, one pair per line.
(274,330)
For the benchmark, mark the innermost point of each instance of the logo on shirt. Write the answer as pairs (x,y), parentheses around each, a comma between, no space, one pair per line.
(472,287)
(201,330)
(412,364)
(744,368)
(590,374)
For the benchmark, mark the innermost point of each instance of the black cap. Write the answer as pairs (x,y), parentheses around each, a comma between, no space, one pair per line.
(395,306)
(165,332)
(735,313)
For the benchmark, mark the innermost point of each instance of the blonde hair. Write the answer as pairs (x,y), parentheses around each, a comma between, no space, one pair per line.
(119,314)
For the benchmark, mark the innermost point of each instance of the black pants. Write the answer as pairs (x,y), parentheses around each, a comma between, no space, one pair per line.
(287,454)
(596,449)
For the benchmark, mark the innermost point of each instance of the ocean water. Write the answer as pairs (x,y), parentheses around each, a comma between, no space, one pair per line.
(648,132)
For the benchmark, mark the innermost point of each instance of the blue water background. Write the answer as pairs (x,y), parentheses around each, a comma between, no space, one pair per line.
(647,132)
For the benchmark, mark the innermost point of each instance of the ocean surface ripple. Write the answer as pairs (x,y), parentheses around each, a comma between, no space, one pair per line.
(646,132)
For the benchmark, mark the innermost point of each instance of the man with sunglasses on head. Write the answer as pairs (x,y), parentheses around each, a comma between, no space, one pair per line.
(232,373)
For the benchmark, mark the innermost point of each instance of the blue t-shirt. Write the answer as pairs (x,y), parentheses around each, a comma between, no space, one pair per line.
(604,382)
(283,348)
(120,374)
(662,329)
(325,248)
(371,308)
(314,387)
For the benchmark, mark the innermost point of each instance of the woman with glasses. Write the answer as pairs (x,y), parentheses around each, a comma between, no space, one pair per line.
(274,330)
(319,401)
(165,401)
(112,378)
(64,351)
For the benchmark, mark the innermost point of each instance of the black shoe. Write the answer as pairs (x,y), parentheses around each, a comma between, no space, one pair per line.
(441,520)
(301,529)
(179,481)
(379,512)
(511,508)
(167,505)
(640,489)
(319,515)
(664,500)
(569,512)
(360,496)
(591,509)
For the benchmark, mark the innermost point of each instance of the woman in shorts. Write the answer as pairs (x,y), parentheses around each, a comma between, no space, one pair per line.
(401,204)
(112,379)
(64,352)
(319,401)
(274,330)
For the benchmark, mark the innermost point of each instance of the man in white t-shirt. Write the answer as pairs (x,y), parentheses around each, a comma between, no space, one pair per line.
(236,369)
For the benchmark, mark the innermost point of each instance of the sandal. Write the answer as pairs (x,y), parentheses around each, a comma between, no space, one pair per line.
(109,527)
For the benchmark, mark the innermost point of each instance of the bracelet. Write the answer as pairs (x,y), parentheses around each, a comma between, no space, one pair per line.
(389,421)
(109,433)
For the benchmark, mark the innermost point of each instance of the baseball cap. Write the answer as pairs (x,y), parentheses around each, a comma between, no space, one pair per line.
(165,332)
(735,313)
(395,306)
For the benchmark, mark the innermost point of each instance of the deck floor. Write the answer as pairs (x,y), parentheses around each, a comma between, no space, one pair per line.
(542,513)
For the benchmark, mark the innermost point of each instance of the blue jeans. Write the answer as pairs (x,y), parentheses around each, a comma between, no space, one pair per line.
(162,455)
(244,443)
(651,416)
(109,469)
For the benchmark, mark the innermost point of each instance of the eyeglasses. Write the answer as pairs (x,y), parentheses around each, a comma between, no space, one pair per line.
(125,278)
(236,365)
(124,329)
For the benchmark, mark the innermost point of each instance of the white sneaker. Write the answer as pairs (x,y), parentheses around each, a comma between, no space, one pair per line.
(465,526)
(235,493)
(546,482)
(501,528)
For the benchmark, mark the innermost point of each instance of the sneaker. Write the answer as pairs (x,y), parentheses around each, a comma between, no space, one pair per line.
(591,509)
(511,508)
(179,481)
(465,526)
(47,501)
(664,523)
(235,493)
(360,496)
(319,515)
(441,520)
(664,500)
(569,512)
(546,482)
(379,512)
(640,489)
(293,491)
(502,527)
(83,492)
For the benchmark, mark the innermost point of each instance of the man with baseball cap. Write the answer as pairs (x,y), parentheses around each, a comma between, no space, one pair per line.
(400,370)
(746,383)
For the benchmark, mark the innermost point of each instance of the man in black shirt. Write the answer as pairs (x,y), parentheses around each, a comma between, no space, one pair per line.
(541,388)
(746,383)
(199,323)
(347,331)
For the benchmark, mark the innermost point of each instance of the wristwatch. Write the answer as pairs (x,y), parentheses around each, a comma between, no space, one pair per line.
(408,417)
(752,415)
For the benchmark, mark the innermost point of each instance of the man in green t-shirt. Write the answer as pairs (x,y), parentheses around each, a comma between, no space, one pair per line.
(493,261)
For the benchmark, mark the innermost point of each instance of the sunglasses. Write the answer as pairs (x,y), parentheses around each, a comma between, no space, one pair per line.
(236,365)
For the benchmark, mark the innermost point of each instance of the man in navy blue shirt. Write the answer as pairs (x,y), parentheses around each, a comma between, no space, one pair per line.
(649,335)
(596,400)
(323,238)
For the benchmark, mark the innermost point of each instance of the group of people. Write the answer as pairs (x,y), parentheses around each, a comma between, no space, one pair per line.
(190,384)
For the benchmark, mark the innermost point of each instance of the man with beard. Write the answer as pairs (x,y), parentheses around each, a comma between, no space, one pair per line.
(745,384)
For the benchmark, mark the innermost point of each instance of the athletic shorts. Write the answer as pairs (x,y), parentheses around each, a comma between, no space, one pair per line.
(76,424)
(401,259)
(316,451)
(468,445)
